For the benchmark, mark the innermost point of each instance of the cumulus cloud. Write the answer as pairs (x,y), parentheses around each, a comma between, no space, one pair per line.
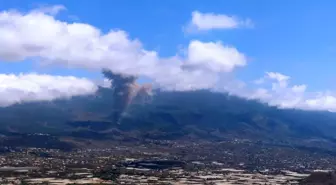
(214,56)
(41,36)
(321,101)
(299,88)
(34,87)
(283,95)
(211,21)
(280,94)
(52,10)
(277,76)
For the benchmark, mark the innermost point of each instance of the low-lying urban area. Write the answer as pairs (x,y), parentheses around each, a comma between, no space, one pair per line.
(165,162)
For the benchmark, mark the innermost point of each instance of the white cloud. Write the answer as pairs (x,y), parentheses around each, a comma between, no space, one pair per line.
(260,93)
(210,21)
(299,88)
(283,95)
(34,87)
(40,36)
(106,83)
(322,101)
(278,80)
(214,56)
(281,81)
(52,10)
(277,76)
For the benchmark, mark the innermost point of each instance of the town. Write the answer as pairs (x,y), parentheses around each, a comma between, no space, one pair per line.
(164,162)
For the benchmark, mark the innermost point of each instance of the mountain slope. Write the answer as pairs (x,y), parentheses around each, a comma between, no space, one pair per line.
(168,115)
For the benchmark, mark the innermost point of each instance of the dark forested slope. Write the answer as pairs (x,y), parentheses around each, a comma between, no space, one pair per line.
(167,115)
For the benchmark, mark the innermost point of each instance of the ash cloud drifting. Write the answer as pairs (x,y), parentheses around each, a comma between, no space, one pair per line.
(125,89)
(40,36)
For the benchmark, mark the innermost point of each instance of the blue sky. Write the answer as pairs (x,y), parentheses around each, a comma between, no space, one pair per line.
(293,38)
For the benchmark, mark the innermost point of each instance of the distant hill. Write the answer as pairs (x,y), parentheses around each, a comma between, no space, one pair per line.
(168,115)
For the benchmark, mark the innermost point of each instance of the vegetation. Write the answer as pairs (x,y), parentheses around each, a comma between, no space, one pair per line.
(169,115)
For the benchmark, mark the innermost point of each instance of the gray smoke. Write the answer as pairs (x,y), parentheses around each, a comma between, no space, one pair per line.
(123,87)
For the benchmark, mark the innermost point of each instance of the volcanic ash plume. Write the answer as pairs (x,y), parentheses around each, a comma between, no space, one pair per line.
(125,89)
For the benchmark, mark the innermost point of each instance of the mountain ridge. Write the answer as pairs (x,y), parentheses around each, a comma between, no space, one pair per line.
(169,115)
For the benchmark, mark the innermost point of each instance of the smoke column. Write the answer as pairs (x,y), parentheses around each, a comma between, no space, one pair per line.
(123,90)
